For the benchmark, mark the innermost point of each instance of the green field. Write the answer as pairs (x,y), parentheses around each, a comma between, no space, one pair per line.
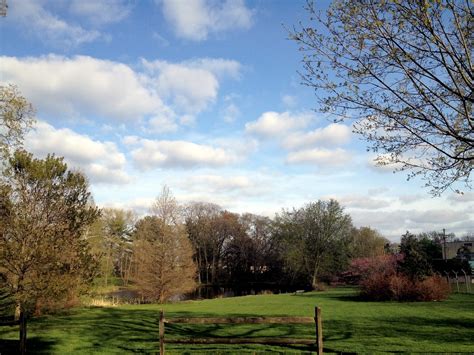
(349,325)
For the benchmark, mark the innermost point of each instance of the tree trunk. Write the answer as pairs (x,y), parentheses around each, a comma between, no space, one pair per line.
(22,332)
(199,262)
(207,265)
(17,312)
(315,276)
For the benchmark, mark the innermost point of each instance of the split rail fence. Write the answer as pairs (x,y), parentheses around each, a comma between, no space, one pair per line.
(317,342)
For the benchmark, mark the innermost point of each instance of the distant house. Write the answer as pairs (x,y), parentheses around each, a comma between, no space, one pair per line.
(460,250)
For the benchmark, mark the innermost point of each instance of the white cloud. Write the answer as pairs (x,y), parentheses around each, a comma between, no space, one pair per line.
(333,134)
(84,86)
(320,157)
(221,183)
(178,154)
(191,89)
(190,85)
(162,124)
(395,223)
(102,162)
(196,19)
(274,124)
(406,199)
(101,12)
(46,26)
(466,197)
(81,86)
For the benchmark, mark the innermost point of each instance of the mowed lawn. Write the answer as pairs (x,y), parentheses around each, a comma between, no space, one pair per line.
(349,325)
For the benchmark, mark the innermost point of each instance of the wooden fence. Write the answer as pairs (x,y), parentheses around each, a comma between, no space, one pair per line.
(317,342)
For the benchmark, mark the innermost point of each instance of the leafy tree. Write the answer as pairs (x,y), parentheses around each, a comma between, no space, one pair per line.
(163,260)
(314,239)
(110,239)
(367,242)
(405,70)
(198,220)
(44,211)
(416,261)
(16,116)
(266,262)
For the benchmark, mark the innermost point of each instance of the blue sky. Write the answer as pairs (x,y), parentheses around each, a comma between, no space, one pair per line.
(203,96)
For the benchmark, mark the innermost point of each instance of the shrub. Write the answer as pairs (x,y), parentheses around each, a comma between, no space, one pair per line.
(380,279)
(434,288)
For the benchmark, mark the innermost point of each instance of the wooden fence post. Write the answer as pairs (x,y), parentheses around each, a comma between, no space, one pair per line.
(162,332)
(319,330)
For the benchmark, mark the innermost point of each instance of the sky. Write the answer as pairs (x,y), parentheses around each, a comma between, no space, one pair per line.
(203,96)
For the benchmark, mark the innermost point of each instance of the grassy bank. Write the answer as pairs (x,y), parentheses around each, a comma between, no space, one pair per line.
(349,325)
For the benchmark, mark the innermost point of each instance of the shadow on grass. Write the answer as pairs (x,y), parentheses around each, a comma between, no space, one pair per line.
(34,344)
(116,330)
(136,331)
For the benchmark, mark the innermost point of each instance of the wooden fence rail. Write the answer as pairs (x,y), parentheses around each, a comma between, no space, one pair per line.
(317,321)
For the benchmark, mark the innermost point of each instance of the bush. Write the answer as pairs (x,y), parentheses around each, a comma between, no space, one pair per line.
(380,279)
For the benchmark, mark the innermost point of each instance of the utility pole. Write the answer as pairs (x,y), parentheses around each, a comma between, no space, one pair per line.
(444,245)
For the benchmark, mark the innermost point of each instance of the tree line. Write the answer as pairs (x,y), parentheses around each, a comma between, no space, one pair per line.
(200,243)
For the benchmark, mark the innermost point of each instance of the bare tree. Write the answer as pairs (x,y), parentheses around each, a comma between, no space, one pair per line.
(166,207)
(163,260)
(162,253)
(405,70)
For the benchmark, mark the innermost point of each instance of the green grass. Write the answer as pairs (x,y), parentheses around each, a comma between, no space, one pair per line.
(349,325)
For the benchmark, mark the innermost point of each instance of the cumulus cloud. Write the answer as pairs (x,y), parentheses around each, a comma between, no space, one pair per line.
(190,85)
(164,93)
(102,162)
(321,157)
(162,124)
(47,26)
(177,154)
(197,19)
(333,134)
(101,12)
(274,124)
(81,85)
(319,146)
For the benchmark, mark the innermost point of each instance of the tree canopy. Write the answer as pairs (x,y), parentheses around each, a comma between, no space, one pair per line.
(315,239)
(404,70)
(44,211)
(16,116)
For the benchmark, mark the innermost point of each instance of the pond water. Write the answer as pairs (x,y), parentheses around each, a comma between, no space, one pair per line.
(213,291)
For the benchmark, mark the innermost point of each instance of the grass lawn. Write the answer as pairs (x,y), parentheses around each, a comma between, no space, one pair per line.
(349,325)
